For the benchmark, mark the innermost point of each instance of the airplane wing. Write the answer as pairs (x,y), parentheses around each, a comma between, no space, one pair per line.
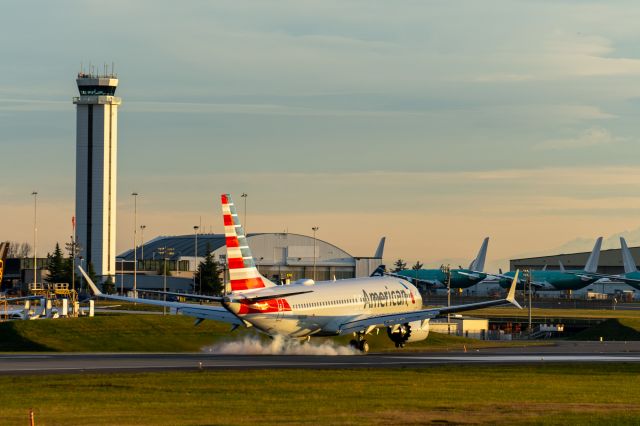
(202,312)
(361,323)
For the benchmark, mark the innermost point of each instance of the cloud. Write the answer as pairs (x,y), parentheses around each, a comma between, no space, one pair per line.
(593,136)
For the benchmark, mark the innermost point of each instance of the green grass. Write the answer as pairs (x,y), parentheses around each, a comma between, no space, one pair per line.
(157,333)
(541,395)
(612,329)
(511,312)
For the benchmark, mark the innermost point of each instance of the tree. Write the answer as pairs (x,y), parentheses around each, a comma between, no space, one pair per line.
(108,286)
(417,266)
(208,275)
(18,250)
(400,265)
(56,266)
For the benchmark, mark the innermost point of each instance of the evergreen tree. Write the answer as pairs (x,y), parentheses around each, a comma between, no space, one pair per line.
(108,286)
(417,266)
(400,265)
(56,266)
(208,275)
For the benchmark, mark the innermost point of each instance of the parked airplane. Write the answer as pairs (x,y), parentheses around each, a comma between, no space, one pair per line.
(544,280)
(631,274)
(460,278)
(307,308)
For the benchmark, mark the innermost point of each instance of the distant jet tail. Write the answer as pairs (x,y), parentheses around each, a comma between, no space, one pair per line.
(627,259)
(592,262)
(380,249)
(379,272)
(478,262)
(561,265)
(243,273)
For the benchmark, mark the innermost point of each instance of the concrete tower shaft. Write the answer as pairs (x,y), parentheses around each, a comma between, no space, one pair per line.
(96,170)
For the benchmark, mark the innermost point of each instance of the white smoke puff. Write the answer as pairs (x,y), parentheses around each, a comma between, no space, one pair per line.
(278,345)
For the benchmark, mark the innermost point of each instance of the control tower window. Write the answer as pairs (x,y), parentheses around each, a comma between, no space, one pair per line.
(97,90)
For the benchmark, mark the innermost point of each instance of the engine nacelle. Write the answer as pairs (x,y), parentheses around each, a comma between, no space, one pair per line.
(409,332)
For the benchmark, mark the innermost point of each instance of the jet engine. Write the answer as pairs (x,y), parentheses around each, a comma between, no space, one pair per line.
(409,332)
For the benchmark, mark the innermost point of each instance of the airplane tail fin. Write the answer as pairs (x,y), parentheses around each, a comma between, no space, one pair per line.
(627,258)
(478,262)
(380,249)
(243,273)
(592,262)
(379,271)
(561,265)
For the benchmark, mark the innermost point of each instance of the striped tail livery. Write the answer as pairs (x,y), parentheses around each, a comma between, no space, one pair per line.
(243,273)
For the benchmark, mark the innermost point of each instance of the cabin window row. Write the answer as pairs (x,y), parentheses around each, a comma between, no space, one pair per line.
(326,303)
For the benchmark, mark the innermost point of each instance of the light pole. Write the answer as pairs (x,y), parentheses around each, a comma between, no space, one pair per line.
(314,229)
(195,256)
(35,236)
(244,225)
(135,247)
(165,252)
(142,228)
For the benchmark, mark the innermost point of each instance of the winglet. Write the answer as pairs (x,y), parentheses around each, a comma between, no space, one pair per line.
(561,265)
(94,288)
(511,296)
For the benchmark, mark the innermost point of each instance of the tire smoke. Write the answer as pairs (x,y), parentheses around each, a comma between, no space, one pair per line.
(278,345)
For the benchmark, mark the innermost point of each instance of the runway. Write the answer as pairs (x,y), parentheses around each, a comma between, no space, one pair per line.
(14,364)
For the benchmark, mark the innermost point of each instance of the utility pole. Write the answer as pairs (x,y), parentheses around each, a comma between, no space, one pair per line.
(195,258)
(314,229)
(35,236)
(527,275)
(135,247)
(142,228)
(446,270)
(244,224)
(166,253)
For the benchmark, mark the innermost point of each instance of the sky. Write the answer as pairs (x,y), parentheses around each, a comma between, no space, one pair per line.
(432,123)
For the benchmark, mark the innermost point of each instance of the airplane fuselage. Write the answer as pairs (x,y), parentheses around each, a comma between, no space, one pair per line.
(460,278)
(329,304)
(554,280)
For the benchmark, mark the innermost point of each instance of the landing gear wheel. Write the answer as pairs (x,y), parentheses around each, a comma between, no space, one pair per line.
(363,345)
(354,343)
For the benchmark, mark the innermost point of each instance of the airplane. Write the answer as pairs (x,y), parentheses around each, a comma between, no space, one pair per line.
(543,280)
(307,308)
(459,278)
(631,274)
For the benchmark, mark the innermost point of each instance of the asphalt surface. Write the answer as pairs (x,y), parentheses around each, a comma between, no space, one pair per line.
(565,352)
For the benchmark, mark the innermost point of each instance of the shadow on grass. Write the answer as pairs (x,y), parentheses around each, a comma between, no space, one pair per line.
(12,340)
(612,330)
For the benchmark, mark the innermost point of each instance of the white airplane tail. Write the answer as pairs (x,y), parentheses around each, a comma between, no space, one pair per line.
(627,258)
(243,273)
(478,262)
(592,262)
(380,250)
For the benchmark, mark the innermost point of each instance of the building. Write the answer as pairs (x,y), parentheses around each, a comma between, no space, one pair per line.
(281,257)
(610,261)
(96,170)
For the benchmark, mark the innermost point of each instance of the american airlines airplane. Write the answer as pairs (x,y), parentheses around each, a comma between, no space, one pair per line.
(307,308)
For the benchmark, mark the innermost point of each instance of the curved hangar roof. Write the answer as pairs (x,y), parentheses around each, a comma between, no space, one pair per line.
(267,248)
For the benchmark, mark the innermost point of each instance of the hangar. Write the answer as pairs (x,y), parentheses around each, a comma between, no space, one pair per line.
(282,257)
(610,261)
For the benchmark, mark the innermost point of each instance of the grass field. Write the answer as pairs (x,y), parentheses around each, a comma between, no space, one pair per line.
(541,395)
(157,333)
(510,312)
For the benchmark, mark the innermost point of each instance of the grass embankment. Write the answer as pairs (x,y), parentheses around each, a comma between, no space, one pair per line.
(157,333)
(541,394)
(612,329)
(512,312)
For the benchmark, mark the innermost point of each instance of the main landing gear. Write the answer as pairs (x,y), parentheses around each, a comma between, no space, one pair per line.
(360,343)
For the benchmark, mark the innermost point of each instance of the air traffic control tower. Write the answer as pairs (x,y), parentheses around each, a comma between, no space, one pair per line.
(96,170)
